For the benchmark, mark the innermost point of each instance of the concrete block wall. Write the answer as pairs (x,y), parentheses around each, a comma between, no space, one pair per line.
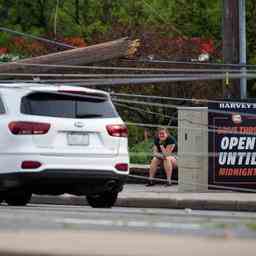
(193,149)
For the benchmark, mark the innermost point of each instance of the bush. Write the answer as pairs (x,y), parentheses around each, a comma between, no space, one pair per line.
(8,57)
(141,153)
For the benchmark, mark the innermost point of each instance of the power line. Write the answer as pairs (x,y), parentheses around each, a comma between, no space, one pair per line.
(128,68)
(204,127)
(175,106)
(144,81)
(142,110)
(173,62)
(163,18)
(193,100)
(37,38)
(140,81)
(75,75)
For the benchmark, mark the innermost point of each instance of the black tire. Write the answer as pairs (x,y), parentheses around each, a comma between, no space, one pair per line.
(18,198)
(2,196)
(106,200)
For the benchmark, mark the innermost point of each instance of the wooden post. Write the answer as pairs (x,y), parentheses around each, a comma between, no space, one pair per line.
(231,44)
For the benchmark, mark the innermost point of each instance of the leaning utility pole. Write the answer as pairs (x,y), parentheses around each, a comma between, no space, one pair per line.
(231,89)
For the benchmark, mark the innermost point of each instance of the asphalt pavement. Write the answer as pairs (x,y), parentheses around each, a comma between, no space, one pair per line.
(81,230)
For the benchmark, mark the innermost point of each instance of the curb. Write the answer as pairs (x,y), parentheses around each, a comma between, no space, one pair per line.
(164,203)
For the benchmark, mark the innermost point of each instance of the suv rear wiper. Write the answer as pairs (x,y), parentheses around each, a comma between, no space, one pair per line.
(89,116)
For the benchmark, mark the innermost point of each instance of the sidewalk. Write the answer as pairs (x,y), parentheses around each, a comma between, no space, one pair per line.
(137,195)
(95,243)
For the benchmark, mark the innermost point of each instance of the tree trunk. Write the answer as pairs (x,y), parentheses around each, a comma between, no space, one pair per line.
(77,11)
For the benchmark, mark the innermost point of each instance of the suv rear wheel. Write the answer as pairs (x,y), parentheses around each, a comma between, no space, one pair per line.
(18,198)
(106,200)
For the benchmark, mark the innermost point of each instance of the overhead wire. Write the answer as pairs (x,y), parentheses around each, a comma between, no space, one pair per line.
(123,68)
(192,63)
(192,100)
(75,75)
(141,110)
(144,81)
(203,127)
(175,106)
(38,38)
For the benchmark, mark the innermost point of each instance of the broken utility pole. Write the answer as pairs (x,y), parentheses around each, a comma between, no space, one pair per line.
(79,56)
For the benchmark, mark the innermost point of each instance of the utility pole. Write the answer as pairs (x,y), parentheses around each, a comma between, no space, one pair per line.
(231,44)
(242,29)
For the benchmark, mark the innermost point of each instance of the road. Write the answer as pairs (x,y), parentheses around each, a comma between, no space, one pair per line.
(51,228)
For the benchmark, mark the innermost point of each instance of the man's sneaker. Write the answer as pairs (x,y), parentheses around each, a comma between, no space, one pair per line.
(150,183)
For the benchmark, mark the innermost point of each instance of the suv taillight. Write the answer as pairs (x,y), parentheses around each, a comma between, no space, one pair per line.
(122,167)
(30,165)
(117,130)
(29,128)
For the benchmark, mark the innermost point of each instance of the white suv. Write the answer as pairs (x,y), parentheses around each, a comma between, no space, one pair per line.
(60,139)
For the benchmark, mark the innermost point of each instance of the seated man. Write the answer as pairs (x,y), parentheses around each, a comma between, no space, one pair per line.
(164,146)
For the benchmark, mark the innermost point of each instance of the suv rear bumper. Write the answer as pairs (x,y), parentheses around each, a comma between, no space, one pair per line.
(54,181)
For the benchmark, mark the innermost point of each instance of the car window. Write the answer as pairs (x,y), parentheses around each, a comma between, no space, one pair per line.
(2,109)
(67,106)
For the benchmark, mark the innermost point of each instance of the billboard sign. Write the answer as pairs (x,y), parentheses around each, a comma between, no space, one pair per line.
(232,144)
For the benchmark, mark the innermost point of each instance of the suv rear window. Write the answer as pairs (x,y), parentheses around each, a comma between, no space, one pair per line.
(68,106)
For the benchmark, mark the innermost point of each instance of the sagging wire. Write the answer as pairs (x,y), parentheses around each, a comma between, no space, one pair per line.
(204,127)
(144,81)
(175,106)
(212,130)
(163,19)
(141,110)
(209,128)
(38,38)
(125,68)
(101,75)
(192,100)
(192,63)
